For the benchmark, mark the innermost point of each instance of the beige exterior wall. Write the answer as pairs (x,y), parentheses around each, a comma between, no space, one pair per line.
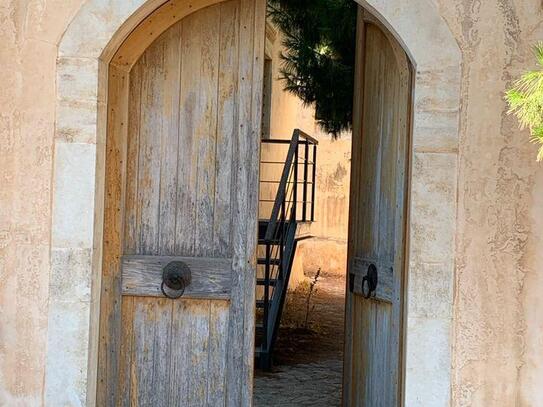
(497,324)
(498,328)
(327,249)
(29,32)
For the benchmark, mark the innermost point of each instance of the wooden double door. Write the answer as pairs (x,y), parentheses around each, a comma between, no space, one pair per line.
(377,227)
(181,196)
(181,212)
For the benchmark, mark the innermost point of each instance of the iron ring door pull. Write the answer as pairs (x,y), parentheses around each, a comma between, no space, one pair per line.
(370,281)
(176,277)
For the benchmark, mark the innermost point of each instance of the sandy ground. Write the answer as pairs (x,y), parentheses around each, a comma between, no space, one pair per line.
(308,360)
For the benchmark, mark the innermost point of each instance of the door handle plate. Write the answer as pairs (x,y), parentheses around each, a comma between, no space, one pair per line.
(372,279)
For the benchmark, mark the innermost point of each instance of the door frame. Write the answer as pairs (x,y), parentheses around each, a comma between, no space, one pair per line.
(85,50)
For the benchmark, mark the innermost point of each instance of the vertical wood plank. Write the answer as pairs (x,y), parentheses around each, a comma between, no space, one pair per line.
(144,333)
(181,354)
(151,354)
(162,352)
(199,356)
(170,141)
(351,322)
(206,129)
(126,352)
(391,315)
(218,328)
(356,375)
(383,369)
(371,145)
(389,135)
(150,148)
(259,37)
(226,126)
(189,114)
(131,229)
(368,312)
(239,379)
(386,352)
(110,305)
(401,260)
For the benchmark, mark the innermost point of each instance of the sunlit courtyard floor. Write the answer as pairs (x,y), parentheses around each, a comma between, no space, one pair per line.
(308,368)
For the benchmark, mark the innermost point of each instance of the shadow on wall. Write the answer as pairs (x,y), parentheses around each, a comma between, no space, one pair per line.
(327,249)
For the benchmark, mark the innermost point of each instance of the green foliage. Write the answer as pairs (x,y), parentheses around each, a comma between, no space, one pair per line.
(318,64)
(526,100)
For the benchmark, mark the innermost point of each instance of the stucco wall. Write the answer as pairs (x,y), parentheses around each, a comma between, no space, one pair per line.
(498,326)
(327,249)
(29,32)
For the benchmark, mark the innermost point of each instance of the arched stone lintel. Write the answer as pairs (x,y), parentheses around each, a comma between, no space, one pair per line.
(99,28)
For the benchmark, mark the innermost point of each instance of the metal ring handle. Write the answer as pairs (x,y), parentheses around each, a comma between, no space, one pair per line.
(370,280)
(170,296)
(366,283)
(176,277)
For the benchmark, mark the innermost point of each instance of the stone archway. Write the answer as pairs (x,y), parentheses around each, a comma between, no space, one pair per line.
(84,53)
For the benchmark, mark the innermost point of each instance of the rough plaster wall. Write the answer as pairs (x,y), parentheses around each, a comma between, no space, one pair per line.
(328,249)
(29,32)
(287,112)
(498,330)
(498,335)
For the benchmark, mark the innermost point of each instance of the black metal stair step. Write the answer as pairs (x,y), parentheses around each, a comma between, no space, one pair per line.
(260,303)
(262,281)
(273,262)
(272,242)
(262,228)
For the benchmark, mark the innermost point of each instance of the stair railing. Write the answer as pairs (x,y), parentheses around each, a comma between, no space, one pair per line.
(300,142)
(279,240)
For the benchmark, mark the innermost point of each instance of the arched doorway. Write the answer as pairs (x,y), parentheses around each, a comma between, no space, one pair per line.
(418,26)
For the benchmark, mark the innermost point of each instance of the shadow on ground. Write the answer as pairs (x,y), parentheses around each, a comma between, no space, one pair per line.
(308,356)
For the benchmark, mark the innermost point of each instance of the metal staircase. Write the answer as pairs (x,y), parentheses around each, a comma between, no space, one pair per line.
(289,203)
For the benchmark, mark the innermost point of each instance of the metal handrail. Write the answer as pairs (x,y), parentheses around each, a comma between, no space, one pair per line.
(279,237)
(282,186)
(291,164)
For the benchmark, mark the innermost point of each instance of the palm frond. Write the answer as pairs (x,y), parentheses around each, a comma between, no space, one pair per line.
(538,51)
(525,100)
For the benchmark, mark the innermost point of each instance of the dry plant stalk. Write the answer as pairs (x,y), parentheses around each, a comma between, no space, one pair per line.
(312,290)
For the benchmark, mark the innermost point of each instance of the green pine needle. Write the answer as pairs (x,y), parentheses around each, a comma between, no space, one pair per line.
(318,62)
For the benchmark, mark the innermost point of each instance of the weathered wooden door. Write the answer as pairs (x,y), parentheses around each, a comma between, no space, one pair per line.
(181,197)
(376,262)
